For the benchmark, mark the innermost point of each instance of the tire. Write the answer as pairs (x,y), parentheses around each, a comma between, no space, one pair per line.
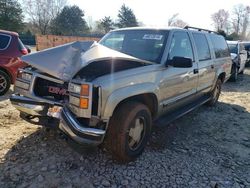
(122,139)
(215,93)
(234,75)
(241,72)
(5,82)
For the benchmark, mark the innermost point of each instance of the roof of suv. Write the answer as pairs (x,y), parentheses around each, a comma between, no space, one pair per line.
(232,42)
(8,32)
(192,29)
(146,28)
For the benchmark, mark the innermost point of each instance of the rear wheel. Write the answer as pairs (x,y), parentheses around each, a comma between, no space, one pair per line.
(128,132)
(241,72)
(234,75)
(4,82)
(215,93)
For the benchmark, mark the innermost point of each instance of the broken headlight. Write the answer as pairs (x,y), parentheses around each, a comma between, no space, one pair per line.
(24,75)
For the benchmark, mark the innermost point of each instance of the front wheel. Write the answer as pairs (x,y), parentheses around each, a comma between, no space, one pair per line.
(128,132)
(4,82)
(215,93)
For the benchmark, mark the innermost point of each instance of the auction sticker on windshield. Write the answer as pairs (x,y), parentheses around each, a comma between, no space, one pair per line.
(152,37)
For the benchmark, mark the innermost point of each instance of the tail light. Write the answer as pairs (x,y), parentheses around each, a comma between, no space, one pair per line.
(22,48)
(24,51)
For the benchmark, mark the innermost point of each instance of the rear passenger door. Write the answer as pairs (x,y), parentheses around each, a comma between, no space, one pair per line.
(205,62)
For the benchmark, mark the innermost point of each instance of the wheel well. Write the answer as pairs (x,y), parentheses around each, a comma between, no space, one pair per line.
(148,99)
(222,76)
(7,72)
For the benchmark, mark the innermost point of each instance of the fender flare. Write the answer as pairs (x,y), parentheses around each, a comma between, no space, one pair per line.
(123,93)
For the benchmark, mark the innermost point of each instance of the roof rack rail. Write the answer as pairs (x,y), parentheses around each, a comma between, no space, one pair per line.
(199,29)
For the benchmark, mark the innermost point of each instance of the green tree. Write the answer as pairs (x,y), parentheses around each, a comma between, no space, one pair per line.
(11,17)
(126,17)
(106,24)
(69,22)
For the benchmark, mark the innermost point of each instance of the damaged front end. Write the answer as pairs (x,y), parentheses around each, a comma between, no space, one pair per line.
(60,81)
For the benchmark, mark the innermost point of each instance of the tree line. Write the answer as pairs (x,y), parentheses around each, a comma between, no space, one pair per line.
(56,17)
(59,18)
(234,25)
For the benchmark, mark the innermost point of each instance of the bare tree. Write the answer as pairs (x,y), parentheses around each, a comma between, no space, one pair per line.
(220,19)
(246,21)
(175,21)
(42,12)
(238,16)
(172,19)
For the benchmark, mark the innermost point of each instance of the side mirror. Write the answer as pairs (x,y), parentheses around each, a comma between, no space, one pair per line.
(181,62)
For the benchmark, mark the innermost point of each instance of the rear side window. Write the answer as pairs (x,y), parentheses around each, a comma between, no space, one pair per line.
(220,46)
(233,48)
(247,47)
(202,46)
(4,41)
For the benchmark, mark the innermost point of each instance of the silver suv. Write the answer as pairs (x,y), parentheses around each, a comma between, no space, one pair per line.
(113,90)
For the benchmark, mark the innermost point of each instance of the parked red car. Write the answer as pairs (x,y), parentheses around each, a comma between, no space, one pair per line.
(11,49)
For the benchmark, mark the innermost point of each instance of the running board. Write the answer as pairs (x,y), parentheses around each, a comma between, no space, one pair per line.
(169,117)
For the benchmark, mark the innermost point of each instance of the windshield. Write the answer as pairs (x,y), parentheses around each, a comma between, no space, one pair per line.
(143,44)
(233,48)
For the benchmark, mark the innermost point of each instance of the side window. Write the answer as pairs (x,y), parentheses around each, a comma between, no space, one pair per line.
(4,41)
(180,46)
(241,47)
(220,46)
(202,46)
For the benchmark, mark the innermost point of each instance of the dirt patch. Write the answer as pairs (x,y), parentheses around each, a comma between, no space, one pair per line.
(209,147)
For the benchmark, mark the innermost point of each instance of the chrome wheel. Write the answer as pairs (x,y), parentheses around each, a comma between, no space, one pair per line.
(3,83)
(136,133)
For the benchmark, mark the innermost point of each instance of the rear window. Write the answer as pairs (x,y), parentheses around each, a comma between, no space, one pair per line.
(220,46)
(247,47)
(4,41)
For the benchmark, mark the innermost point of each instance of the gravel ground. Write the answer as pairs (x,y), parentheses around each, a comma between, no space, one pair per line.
(209,147)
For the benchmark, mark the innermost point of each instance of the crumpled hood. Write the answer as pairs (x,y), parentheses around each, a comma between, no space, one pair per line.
(65,61)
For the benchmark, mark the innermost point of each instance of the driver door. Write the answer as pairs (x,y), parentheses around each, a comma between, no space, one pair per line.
(178,83)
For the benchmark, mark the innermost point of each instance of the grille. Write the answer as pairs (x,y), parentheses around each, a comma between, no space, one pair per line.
(51,90)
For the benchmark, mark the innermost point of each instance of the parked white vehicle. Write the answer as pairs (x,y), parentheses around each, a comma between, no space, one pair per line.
(239,58)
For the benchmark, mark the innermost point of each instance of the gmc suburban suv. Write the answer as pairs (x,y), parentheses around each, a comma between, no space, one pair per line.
(110,92)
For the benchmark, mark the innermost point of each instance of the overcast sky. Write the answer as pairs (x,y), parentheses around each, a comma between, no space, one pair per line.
(157,12)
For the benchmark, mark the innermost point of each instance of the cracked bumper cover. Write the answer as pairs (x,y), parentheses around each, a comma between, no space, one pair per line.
(29,106)
(78,131)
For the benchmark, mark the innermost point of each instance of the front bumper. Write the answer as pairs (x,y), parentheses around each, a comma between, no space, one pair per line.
(29,106)
(78,131)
